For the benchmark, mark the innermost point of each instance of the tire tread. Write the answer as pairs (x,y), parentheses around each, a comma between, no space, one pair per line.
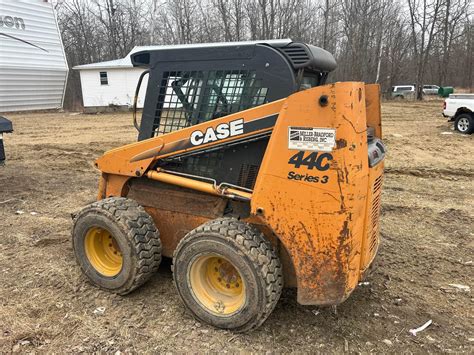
(259,250)
(141,232)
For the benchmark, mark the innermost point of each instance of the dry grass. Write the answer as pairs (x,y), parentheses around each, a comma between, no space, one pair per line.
(46,304)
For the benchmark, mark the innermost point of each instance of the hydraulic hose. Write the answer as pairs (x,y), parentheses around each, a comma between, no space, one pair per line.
(135,98)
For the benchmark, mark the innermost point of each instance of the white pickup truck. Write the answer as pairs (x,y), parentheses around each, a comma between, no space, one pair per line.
(460,109)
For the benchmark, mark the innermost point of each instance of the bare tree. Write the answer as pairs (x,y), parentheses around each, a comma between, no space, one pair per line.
(392,42)
(424,18)
(396,52)
(454,12)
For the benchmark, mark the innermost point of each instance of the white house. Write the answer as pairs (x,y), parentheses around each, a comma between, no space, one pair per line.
(111,83)
(33,67)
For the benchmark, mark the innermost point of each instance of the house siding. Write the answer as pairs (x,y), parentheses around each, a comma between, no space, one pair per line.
(32,76)
(119,91)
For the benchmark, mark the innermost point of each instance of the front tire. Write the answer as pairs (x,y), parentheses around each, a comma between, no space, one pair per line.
(116,244)
(464,123)
(227,274)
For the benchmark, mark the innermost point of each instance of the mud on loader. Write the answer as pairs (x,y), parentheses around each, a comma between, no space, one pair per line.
(250,172)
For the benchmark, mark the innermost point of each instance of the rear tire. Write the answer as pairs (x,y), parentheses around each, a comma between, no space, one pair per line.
(116,244)
(227,274)
(464,123)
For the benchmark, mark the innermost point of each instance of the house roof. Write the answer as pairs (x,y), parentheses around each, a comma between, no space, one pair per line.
(110,64)
(127,63)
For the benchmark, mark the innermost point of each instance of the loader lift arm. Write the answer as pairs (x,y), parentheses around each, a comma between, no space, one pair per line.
(136,159)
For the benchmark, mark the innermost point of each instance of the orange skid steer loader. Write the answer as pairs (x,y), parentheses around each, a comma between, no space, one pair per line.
(250,172)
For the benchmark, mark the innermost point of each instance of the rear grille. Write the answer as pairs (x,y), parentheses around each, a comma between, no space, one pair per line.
(377,184)
(297,55)
(375,214)
(248,175)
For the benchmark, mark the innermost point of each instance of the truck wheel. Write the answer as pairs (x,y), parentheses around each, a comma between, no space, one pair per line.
(116,244)
(464,123)
(227,274)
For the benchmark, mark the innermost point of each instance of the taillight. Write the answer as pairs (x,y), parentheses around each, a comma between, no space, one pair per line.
(376,151)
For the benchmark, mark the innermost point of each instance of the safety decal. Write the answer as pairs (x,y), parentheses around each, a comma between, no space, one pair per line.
(311,138)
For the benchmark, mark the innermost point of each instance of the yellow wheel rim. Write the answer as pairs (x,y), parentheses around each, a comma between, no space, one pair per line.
(103,252)
(217,285)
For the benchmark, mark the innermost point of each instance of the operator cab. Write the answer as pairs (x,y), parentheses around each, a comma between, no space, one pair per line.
(191,84)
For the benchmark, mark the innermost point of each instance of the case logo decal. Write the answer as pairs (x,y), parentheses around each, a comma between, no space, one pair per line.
(222,131)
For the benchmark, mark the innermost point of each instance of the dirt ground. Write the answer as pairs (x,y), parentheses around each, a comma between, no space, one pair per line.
(427,246)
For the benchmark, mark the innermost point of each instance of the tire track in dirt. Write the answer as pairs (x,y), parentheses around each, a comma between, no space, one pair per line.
(425,172)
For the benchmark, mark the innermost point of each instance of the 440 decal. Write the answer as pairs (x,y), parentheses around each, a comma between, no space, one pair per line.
(314,160)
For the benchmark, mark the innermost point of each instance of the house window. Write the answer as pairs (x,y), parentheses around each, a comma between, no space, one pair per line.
(103,78)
